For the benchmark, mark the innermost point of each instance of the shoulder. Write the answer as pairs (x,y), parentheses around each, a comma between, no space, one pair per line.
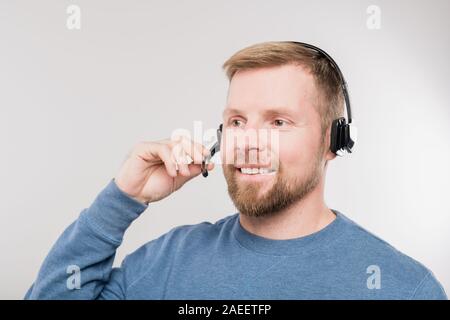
(397,268)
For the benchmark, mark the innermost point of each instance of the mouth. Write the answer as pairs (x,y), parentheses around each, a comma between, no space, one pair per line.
(256,171)
(253,174)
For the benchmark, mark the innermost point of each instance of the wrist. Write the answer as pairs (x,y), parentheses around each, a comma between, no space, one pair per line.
(141,200)
(135,198)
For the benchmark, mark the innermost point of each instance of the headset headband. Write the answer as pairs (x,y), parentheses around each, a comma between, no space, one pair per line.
(336,67)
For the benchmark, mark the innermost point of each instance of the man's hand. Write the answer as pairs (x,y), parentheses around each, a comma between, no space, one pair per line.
(150,172)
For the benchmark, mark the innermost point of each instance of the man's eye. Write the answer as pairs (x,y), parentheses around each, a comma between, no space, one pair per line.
(236,122)
(279,122)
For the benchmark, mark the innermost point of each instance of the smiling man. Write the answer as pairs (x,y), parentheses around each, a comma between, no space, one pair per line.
(283,243)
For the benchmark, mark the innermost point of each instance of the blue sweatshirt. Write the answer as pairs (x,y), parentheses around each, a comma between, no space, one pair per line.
(222,260)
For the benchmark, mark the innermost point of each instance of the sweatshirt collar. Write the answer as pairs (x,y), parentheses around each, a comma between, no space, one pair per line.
(315,241)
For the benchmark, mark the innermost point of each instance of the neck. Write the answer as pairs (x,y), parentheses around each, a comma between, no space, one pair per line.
(303,218)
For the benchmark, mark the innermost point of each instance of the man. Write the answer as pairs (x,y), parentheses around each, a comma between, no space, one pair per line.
(284,243)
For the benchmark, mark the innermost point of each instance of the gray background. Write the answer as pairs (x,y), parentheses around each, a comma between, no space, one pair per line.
(73,103)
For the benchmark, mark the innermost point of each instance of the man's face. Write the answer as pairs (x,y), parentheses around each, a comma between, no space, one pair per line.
(280,100)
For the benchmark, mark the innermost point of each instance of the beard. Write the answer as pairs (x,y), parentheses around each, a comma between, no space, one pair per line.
(283,193)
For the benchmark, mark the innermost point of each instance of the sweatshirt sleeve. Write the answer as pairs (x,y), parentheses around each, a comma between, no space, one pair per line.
(429,289)
(79,265)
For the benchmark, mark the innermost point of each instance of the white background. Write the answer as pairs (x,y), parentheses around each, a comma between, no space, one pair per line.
(74,102)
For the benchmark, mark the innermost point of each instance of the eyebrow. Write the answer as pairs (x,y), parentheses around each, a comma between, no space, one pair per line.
(268,112)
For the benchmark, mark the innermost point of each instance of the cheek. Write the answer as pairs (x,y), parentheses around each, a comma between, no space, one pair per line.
(229,151)
(296,153)
(226,152)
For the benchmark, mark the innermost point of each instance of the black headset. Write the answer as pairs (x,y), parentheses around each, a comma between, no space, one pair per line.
(343,133)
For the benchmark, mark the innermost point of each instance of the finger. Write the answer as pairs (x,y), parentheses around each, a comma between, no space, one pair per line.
(165,154)
(194,169)
(186,141)
(158,151)
(180,158)
(193,149)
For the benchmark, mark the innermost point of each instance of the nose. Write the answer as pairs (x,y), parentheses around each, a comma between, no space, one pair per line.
(252,145)
(251,138)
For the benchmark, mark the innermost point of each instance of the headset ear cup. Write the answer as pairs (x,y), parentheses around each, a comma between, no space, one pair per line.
(346,142)
(352,136)
(334,136)
(338,135)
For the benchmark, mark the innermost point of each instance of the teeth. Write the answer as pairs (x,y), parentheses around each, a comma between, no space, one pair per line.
(257,170)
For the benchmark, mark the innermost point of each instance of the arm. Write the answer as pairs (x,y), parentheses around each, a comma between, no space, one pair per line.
(89,244)
(79,266)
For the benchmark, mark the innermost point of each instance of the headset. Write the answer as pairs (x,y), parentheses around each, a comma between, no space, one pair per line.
(343,133)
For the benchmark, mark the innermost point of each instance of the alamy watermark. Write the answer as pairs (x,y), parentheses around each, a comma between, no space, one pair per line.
(74,280)
(374,280)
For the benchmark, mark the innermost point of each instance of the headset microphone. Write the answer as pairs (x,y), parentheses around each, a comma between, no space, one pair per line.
(214,149)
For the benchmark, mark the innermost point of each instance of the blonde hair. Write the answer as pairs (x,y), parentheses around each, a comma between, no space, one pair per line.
(271,54)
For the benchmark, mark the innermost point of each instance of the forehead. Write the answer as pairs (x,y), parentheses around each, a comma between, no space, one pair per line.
(285,88)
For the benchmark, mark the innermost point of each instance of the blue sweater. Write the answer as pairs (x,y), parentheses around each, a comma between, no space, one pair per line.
(224,261)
